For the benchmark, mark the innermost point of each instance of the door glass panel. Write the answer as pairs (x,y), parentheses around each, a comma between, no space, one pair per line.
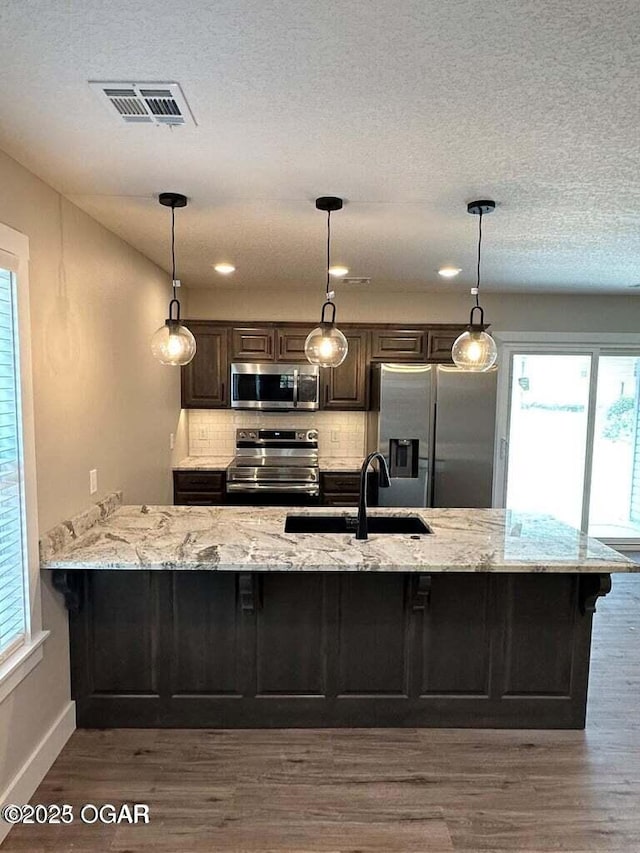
(548,435)
(263,387)
(614,504)
(307,388)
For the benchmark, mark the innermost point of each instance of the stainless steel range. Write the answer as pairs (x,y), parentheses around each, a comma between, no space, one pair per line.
(275,464)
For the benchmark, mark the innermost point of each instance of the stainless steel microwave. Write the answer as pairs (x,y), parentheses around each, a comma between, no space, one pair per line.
(274,387)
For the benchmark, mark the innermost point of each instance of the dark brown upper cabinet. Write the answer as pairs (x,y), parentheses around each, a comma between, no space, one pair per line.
(399,344)
(205,380)
(440,343)
(290,342)
(253,343)
(346,387)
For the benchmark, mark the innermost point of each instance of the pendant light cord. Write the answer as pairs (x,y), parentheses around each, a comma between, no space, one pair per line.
(173,250)
(328,254)
(479,249)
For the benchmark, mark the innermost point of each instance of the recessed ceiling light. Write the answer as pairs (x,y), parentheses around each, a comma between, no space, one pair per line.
(449,272)
(338,272)
(224,269)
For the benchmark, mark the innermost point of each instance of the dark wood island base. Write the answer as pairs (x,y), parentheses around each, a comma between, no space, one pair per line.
(223,649)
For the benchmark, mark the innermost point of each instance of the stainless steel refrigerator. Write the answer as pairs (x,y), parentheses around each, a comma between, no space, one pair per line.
(435,427)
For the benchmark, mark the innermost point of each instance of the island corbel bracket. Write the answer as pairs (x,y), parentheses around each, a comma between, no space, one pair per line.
(421,593)
(69,583)
(248,592)
(591,588)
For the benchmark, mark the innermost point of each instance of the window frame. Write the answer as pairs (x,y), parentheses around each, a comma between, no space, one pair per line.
(14,256)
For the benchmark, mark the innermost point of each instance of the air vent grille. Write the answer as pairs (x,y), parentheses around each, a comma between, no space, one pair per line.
(145,103)
(353,281)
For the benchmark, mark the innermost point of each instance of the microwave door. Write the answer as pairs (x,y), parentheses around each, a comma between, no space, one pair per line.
(273,386)
(265,390)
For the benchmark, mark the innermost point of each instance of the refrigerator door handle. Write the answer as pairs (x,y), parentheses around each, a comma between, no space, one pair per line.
(295,387)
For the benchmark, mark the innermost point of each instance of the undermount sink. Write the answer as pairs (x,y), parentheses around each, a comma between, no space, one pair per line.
(399,524)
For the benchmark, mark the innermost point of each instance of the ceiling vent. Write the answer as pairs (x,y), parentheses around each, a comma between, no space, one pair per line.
(352,281)
(144,103)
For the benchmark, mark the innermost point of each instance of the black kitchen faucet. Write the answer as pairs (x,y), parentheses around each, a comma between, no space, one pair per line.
(362,531)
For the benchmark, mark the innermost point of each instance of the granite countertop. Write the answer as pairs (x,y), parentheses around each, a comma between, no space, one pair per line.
(341,463)
(204,463)
(251,538)
(217,463)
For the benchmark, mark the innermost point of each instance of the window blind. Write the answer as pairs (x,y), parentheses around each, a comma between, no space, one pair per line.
(12,550)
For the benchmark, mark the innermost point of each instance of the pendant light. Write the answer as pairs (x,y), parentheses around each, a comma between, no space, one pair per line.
(475,349)
(173,343)
(326,345)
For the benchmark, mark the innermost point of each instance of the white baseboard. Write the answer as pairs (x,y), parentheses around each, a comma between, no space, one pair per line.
(24,783)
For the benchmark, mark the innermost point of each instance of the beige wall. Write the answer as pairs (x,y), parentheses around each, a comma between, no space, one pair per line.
(100,401)
(505,312)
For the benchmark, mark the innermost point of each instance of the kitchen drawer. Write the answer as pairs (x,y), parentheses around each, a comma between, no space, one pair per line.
(198,498)
(334,482)
(340,498)
(198,481)
(343,489)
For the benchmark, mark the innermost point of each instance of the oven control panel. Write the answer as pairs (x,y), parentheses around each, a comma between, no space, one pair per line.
(246,435)
(276,435)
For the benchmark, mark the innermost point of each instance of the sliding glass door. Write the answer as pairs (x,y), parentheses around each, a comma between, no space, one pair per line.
(614,502)
(569,438)
(548,434)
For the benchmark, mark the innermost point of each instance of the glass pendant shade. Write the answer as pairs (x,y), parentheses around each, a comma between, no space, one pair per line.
(474,349)
(326,346)
(173,344)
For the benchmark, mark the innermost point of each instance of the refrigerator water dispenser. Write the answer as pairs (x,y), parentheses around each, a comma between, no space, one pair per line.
(403,457)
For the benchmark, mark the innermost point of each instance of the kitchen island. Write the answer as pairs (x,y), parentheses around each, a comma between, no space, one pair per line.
(214,617)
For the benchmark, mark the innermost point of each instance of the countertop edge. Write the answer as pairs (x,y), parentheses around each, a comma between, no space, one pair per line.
(251,539)
(556,568)
(338,464)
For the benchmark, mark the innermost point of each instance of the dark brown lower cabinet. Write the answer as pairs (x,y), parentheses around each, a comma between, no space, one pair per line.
(199,488)
(227,649)
(341,489)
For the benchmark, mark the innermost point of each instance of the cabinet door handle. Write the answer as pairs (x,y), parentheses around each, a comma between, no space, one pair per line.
(222,397)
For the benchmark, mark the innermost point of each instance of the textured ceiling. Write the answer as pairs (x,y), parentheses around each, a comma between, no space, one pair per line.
(406,109)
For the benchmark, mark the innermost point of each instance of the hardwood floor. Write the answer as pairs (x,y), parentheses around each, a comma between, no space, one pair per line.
(366,790)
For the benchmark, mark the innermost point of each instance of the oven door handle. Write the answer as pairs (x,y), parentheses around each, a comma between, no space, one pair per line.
(295,387)
(273,487)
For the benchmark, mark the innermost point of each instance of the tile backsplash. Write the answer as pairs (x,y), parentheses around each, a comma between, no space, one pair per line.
(213,432)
